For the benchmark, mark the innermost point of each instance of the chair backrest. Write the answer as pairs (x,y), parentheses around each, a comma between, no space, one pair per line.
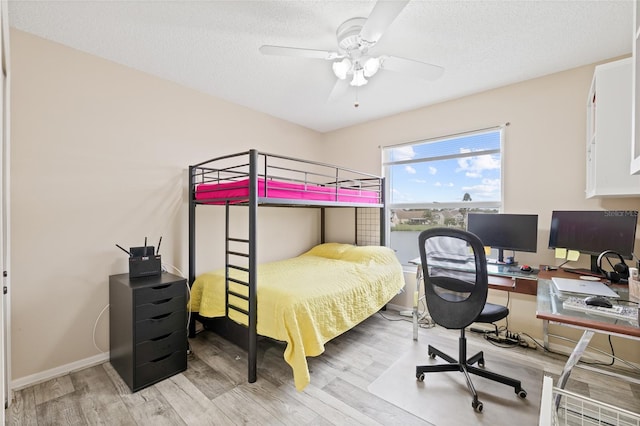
(454,267)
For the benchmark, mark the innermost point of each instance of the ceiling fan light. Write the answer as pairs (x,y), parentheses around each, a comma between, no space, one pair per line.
(341,68)
(371,66)
(358,78)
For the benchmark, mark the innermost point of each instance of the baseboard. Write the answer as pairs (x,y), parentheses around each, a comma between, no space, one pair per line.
(397,308)
(43,376)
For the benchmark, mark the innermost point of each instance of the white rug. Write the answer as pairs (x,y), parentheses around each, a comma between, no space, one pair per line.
(444,399)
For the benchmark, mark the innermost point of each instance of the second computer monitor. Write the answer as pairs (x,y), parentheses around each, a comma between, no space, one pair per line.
(517,232)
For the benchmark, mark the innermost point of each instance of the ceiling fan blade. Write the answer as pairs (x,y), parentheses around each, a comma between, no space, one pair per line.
(339,90)
(382,15)
(412,67)
(299,52)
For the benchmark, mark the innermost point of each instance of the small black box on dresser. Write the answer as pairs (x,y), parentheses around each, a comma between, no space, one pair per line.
(147,328)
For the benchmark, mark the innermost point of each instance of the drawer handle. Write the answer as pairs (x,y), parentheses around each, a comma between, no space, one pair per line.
(160,302)
(161,358)
(159,317)
(161,337)
(160,287)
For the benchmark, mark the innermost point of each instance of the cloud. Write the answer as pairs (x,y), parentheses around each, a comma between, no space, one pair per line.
(432,170)
(402,153)
(410,170)
(418,180)
(487,189)
(474,166)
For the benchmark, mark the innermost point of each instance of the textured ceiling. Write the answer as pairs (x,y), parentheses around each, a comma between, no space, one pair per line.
(212,46)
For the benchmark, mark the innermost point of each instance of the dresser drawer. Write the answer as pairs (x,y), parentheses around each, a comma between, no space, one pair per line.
(159,347)
(160,307)
(155,327)
(160,292)
(160,368)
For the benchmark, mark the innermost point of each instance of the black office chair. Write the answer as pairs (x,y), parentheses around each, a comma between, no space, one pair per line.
(456,287)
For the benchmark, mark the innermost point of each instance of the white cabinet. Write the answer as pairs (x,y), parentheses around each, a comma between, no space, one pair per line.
(635,135)
(609,132)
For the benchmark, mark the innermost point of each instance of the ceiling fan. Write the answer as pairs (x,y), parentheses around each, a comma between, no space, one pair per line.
(353,62)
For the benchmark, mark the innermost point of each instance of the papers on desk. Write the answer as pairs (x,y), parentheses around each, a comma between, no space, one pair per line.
(582,287)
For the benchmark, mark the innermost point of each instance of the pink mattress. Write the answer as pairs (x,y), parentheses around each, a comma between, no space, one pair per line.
(217,193)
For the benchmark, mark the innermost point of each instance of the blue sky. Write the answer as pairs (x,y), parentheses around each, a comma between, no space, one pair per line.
(448,179)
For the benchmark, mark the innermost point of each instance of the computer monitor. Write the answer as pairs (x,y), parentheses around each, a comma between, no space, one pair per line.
(592,232)
(517,232)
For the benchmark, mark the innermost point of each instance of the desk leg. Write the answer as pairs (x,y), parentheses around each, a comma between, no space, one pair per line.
(575,356)
(416,296)
(545,333)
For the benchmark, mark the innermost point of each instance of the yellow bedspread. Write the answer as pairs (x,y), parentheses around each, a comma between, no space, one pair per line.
(310,299)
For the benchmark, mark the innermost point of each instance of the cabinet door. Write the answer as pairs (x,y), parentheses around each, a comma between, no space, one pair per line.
(609,132)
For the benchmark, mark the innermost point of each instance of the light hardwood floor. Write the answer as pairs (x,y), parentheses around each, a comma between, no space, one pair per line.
(214,389)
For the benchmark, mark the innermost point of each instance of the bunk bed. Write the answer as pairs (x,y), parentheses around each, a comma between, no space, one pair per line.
(226,301)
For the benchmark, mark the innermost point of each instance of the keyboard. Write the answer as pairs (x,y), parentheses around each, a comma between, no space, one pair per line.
(625,313)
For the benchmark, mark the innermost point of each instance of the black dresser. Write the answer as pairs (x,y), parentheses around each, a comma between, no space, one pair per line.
(147,328)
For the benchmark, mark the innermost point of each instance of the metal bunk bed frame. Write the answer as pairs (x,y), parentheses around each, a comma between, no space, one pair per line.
(247,337)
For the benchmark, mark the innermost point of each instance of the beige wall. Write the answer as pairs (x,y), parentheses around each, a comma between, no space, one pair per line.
(99,157)
(544,162)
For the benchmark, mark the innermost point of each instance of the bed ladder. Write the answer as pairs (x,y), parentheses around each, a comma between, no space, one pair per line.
(241,269)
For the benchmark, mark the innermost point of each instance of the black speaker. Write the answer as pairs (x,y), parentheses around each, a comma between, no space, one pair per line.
(620,270)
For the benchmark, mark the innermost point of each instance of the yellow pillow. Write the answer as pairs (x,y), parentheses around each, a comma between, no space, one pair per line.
(370,254)
(329,250)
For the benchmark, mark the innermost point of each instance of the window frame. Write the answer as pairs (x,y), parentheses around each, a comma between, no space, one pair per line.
(499,205)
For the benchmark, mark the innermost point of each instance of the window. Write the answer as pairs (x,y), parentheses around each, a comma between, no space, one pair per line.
(437,182)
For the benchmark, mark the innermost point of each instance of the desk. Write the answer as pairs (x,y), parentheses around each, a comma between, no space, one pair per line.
(549,309)
(501,277)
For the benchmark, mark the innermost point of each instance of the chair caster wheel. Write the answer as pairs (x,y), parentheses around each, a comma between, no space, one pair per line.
(481,363)
(420,377)
(522,393)
(432,356)
(477,405)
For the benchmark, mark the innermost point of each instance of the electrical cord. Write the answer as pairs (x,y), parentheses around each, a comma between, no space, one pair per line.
(392,319)
(612,354)
(424,320)
(189,351)
(627,301)
(95,326)
(519,339)
(188,293)
(506,319)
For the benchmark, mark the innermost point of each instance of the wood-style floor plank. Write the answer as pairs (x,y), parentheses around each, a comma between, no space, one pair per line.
(98,400)
(147,406)
(191,405)
(370,405)
(52,389)
(64,410)
(23,409)
(333,410)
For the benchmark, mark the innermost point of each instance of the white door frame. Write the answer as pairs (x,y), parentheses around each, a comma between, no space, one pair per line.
(5,231)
